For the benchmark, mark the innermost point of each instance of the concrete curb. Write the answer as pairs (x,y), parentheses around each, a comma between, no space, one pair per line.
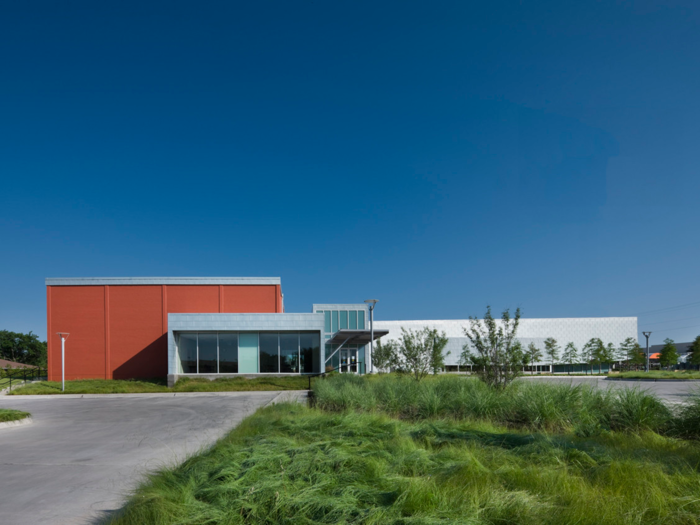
(154,394)
(294,396)
(17,423)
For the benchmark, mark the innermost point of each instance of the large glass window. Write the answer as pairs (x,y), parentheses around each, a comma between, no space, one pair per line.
(188,353)
(361,320)
(310,345)
(250,352)
(353,320)
(343,319)
(289,353)
(207,353)
(327,321)
(269,353)
(334,321)
(228,353)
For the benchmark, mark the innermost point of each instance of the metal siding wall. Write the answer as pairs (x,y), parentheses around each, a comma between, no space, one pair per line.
(250,299)
(138,345)
(123,332)
(577,330)
(79,310)
(193,299)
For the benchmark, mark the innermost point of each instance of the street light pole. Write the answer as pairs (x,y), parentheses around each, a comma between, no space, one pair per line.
(64,336)
(647,334)
(372,303)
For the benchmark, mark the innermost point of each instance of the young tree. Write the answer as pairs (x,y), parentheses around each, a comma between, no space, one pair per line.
(633,353)
(417,351)
(694,357)
(570,355)
(551,349)
(385,354)
(533,355)
(437,359)
(610,355)
(669,354)
(22,348)
(594,352)
(493,348)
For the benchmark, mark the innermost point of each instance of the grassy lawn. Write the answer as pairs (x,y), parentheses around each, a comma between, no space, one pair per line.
(432,462)
(7,414)
(660,374)
(116,386)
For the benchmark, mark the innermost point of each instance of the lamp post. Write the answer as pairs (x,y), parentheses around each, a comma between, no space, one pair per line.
(64,336)
(647,334)
(372,303)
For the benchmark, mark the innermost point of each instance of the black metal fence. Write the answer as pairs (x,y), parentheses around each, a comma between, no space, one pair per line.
(16,376)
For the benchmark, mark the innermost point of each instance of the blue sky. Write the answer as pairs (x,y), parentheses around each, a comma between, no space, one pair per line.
(439,156)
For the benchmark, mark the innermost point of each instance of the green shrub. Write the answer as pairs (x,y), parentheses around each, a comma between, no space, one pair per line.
(686,424)
(636,410)
(541,406)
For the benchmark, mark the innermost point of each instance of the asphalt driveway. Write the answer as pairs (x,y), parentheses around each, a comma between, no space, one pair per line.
(81,456)
(669,391)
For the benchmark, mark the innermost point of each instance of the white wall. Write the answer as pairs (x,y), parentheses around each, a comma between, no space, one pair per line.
(577,330)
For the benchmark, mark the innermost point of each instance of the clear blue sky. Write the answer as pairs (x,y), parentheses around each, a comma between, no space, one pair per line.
(439,156)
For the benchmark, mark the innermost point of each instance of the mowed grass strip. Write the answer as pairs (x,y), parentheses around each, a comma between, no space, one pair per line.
(116,386)
(659,374)
(8,414)
(291,464)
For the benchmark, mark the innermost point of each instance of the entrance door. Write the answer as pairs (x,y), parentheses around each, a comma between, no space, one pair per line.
(348,360)
(344,360)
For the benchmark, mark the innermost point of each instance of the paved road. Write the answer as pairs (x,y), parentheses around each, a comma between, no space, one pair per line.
(81,456)
(671,391)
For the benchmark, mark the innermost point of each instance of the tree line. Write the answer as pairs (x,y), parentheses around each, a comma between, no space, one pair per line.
(22,348)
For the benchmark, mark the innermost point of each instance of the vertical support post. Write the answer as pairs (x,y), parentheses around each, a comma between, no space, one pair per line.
(372,303)
(63,364)
(647,334)
(371,342)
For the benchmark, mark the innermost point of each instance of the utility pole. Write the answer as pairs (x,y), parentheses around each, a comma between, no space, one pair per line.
(647,334)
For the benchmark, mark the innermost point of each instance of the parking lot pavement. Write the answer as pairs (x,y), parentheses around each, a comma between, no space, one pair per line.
(81,456)
(670,391)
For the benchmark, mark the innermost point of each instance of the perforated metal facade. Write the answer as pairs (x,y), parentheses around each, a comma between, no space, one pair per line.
(576,330)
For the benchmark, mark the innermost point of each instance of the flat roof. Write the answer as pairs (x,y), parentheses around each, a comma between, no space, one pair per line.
(126,281)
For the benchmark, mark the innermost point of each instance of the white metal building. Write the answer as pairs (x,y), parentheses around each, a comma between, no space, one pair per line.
(578,330)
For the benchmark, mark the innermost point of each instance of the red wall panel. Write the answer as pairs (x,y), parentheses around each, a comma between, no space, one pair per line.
(193,299)
(138,347)
(79,310)
(250,299)
(120,331)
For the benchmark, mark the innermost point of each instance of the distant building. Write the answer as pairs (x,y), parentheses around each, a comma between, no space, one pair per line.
(577,330)
(4,363)
(682,348)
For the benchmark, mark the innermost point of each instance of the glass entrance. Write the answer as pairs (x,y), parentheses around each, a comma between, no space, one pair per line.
(348,360)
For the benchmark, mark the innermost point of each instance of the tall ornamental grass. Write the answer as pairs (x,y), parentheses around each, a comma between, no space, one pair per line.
(288,464)
(538,406)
